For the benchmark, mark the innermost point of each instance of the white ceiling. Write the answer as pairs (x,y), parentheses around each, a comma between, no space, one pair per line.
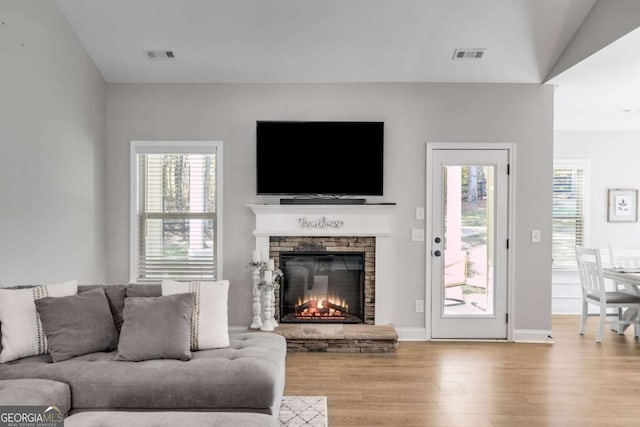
(325,40)
(364,41)
(603,91)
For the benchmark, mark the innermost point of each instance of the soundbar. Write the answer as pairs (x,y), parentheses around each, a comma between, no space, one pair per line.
(323,201)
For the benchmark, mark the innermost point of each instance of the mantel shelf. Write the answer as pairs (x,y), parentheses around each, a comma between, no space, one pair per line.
(351,220)
(287,208)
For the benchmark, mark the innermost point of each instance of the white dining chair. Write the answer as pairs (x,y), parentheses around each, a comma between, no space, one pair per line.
(629,258)
(594,292)
(623,258)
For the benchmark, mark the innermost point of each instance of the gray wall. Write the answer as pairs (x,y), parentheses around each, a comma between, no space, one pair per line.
(413,114)
(52,112)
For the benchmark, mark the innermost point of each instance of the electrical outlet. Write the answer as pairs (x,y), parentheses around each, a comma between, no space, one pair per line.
(420,214)
(419,306)
(535,236)
(417,234)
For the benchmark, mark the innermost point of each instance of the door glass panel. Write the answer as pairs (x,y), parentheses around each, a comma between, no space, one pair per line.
(469,198)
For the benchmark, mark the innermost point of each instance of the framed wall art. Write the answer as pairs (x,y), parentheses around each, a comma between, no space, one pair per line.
(623,205)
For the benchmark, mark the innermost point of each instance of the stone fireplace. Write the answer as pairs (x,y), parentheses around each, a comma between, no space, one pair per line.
(326,279)
(285,230)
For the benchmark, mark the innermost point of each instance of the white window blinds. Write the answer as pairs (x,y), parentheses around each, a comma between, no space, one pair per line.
(568,214)
(177,216)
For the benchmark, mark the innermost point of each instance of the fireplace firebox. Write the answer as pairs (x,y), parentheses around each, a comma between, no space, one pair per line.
(322,287)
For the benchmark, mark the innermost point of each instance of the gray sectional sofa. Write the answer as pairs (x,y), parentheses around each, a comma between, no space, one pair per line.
(247,378)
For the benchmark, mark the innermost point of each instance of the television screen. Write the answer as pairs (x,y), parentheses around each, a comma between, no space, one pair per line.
(310,158)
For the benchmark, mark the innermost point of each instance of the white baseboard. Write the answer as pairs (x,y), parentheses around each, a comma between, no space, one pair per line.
(411,334)
(532,336)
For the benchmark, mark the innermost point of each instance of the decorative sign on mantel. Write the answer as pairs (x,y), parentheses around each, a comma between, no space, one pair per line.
(321,222)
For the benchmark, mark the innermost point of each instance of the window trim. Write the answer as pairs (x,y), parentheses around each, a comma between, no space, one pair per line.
(585,165)
(172,147)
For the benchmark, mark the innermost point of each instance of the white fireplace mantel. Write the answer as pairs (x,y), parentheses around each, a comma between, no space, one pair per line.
(335,220)
(357,220)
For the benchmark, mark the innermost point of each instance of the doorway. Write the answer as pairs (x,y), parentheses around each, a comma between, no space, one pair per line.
(467,251)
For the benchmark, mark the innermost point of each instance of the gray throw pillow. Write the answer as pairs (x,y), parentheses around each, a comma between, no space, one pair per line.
(115,296)
(77,324)
(156,328)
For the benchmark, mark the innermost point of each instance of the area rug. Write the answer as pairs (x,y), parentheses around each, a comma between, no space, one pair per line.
(303,411)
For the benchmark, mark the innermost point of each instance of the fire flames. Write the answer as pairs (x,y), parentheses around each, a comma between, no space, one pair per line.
(321,306)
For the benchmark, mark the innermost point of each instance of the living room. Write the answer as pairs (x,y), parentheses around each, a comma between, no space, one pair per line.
(78,89)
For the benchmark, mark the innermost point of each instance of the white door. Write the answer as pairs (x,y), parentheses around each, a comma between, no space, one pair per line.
(468,249)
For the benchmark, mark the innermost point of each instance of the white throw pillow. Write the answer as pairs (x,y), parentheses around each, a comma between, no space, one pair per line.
(22,333)
(209,321)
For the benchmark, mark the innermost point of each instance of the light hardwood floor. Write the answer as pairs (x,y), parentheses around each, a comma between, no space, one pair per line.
(574,382)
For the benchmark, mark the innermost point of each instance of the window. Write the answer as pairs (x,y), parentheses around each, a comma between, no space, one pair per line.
(176,218)
(568,212)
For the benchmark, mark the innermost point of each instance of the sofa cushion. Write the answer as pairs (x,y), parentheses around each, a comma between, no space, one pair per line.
(35,392)
(22,333)
(247,376)
(169,419)
(77,324)
(115,295)
(156,328)
(209,323)
(144,291)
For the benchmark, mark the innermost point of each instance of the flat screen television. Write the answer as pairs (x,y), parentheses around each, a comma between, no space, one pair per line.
(320,158)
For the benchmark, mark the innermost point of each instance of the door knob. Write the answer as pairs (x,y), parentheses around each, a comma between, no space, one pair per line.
(437,253)
(437,240)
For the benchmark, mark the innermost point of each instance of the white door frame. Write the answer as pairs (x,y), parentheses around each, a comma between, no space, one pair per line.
(511,235)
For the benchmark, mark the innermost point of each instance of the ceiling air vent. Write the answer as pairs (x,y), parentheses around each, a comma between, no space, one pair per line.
(468,53)
(159,54)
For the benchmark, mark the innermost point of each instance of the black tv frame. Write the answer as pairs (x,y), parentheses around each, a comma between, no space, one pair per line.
(322,198)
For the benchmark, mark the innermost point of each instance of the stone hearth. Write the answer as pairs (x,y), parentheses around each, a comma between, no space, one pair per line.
(342,338)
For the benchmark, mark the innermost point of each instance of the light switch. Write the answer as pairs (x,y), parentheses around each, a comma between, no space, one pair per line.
(420,214)
(535,236)
(417,234)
